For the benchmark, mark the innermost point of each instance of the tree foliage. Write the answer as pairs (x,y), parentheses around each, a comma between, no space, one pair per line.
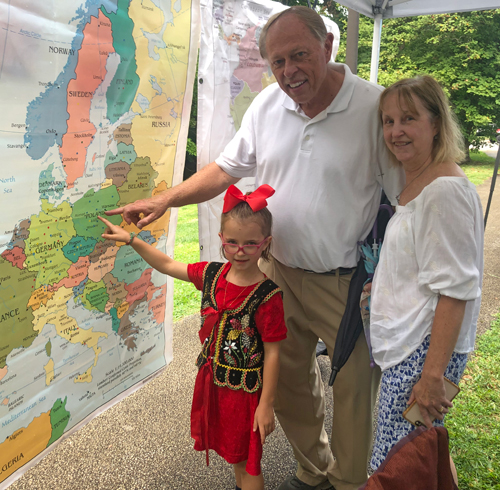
(460,50)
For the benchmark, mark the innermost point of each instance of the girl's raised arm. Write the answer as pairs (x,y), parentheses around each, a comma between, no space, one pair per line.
(161,262)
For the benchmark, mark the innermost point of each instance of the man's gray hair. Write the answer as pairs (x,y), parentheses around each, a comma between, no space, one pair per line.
(309,17)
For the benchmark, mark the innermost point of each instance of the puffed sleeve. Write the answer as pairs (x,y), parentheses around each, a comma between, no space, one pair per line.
(446,246)
(270,319)
(195,274)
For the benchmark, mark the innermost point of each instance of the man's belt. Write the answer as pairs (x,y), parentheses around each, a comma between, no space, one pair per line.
(341,271)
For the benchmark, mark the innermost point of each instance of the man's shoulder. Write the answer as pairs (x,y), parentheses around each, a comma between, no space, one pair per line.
(369,88)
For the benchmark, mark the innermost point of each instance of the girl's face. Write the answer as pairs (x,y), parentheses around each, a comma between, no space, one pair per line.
(241,233)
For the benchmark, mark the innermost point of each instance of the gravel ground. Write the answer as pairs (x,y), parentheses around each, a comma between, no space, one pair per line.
(144,442)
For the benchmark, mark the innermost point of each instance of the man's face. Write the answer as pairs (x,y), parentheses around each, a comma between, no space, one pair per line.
(298,60)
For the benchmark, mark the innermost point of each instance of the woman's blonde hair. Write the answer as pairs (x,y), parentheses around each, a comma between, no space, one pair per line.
(448,145)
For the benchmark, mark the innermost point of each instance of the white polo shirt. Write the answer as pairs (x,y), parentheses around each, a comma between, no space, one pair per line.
(327,171)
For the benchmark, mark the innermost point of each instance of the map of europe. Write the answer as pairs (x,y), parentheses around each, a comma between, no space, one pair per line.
(94,102)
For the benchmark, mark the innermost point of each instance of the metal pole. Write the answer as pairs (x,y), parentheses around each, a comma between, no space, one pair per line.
(351,55)
(493,181)
(377,35)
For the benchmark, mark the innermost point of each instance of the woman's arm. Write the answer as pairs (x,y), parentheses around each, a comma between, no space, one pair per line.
(430,391)
(161,262)
(264,415)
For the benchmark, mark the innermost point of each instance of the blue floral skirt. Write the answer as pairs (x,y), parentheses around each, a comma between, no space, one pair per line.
(395,389)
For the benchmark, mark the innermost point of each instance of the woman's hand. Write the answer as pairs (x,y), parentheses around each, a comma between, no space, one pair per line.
(113,232)
(431,399)
(264,420)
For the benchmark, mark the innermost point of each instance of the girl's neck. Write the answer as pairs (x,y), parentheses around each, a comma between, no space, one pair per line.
(244,278)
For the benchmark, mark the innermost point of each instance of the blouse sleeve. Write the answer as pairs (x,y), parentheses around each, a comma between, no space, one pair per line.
(270,320)
(195,274)
(446,245)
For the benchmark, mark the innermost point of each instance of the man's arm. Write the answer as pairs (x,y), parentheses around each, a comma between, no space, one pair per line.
(202,186)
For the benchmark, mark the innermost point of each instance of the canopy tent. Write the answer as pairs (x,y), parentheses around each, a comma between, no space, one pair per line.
(410,8)
(385,9)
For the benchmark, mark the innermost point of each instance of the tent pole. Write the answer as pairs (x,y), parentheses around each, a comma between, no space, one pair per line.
(377,35)
(351,55)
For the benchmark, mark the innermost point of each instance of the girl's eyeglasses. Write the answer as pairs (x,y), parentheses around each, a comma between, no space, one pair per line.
(232,248)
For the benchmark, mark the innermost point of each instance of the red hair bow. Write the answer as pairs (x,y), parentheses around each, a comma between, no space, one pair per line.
(256,200)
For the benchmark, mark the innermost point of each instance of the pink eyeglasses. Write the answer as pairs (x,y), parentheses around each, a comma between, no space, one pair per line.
(232,248)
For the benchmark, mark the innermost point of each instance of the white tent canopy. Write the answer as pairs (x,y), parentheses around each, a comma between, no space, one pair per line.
(385,9)
(408,8)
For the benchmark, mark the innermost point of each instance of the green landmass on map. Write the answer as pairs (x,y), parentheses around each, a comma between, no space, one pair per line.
(122,90)
(78,247)
(59,418)
(91,205)
(49,231)
(95,296)
(241,103)
(16,286)
(140,181)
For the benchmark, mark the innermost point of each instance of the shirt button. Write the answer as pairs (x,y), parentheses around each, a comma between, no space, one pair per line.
(307,138)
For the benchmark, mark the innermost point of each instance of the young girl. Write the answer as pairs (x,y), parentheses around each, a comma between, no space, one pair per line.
(242,324)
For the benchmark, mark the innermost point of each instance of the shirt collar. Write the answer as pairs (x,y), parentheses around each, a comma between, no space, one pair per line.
(341,100)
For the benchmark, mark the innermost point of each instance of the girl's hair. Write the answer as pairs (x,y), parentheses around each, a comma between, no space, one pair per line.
(448,145)
(243,211)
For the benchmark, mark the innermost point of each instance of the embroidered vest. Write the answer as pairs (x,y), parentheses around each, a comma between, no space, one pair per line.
(239,350)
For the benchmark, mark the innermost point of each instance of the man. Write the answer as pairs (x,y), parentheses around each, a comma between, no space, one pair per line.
(315,138)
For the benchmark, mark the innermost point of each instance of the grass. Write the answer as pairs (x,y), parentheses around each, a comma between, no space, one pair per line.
(474,421)
(480,169)
(186,297)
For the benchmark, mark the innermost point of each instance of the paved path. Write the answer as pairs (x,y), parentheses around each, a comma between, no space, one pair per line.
(144,443)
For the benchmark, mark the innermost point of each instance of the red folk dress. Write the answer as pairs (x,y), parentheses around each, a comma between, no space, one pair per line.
(230,429)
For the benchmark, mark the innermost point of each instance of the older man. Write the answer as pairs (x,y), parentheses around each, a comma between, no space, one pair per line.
(315,138)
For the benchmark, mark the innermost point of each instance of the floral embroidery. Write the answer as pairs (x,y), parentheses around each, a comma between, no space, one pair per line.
(236,324)
(239,350)
(233,334)
(230,346)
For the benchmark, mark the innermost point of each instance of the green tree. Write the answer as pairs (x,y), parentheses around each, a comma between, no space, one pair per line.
(460,50)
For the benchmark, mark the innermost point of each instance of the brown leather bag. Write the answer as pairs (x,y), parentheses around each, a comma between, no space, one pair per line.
(419,461)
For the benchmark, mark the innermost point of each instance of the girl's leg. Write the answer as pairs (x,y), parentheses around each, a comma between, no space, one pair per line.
(246,481)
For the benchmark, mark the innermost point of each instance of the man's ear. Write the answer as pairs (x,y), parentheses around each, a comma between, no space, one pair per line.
(328,45)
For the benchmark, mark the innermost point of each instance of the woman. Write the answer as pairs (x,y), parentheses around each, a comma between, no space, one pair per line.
(427,287)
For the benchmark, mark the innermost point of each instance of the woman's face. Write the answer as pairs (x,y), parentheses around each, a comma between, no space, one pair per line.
(408,134)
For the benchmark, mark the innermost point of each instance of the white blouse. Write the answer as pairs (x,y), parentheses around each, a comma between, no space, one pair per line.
(433,246)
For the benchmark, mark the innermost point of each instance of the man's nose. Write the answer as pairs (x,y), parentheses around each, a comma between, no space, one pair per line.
(290,69)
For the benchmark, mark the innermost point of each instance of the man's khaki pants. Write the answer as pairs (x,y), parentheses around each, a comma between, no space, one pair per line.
(314,305)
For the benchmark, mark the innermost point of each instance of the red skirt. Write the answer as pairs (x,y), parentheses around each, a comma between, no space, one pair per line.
(222,420)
